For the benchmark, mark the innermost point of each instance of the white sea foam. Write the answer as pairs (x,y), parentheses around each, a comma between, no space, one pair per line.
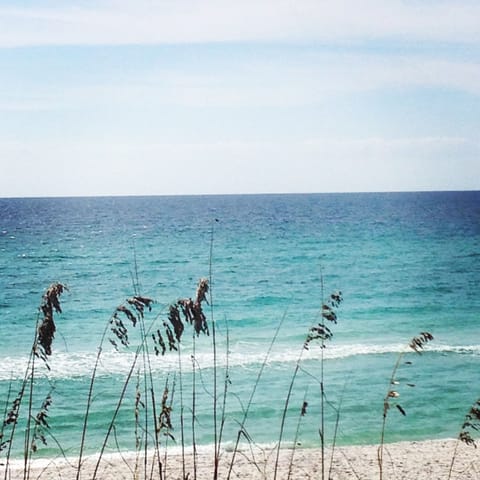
(172,450)
(81,364)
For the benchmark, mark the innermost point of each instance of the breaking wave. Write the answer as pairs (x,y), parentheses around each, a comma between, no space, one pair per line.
(81,364)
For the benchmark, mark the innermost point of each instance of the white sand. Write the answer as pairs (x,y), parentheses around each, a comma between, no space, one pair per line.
(407,460)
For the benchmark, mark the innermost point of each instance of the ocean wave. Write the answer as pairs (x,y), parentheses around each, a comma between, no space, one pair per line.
(63,365)
(173,450)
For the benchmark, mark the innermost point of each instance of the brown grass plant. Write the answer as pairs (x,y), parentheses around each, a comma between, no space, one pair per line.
(471,424)
(166,334)
(46,329)
(35,426)
(416,344)
(319,333)
(127,329)
(41,423)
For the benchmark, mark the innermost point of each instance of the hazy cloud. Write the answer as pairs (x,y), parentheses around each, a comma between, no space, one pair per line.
(247,96)
(322,164)
(315,80)
(188,21)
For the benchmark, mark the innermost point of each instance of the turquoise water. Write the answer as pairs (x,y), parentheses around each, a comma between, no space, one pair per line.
(405,263)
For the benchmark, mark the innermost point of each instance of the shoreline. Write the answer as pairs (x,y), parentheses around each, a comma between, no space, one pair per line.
(422,460)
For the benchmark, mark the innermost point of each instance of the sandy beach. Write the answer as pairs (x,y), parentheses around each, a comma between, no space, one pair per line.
(406,460)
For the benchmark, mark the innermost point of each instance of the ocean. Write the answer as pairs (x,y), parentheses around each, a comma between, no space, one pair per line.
(405,263)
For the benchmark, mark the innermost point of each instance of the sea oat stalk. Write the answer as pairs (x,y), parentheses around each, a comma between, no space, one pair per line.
(417,345)
(471,423)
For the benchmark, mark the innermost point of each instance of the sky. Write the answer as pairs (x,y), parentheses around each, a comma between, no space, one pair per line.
(167,97)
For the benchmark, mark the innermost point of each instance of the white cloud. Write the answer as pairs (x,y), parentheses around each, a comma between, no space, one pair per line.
(188,21)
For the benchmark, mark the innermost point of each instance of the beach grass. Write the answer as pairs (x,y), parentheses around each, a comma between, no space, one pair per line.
(135,326)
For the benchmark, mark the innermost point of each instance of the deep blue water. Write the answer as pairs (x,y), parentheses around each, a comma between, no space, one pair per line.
(405,263)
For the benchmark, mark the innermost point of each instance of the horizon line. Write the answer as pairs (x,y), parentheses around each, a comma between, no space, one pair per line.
(170,195)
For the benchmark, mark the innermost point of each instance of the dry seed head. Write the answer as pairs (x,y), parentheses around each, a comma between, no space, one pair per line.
(472,421)
(402,411)
(172,345)
(52,296)
(12,415)
(46,329)
(158,340)
(176,321)
(319,332)
(186,304)
(336,299)
(119,329)
(474,413)
(139,303)
(164,419)
(202,290)
(193,313)
(417,343)
(128,313)
(466,438)
(199,320)
(329,314)
(41,424)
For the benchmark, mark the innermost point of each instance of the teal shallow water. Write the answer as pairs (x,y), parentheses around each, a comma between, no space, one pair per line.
(404,262)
